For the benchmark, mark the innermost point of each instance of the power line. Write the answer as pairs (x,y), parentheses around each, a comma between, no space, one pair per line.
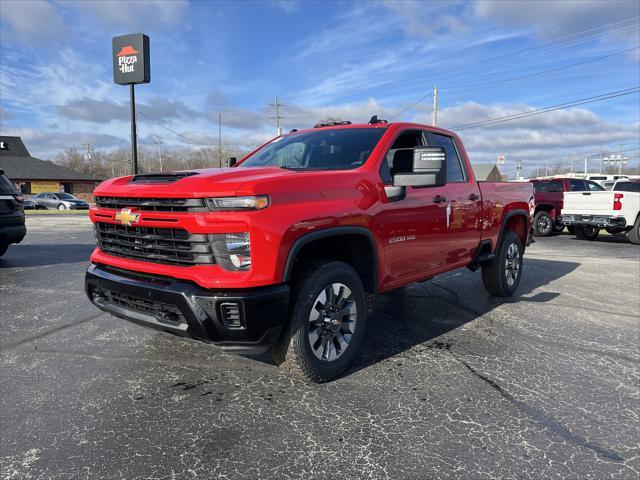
(551,108)
(543,72)
(172,131)
(536,50)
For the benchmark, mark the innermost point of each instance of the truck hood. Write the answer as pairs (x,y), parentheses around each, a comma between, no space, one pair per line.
(208,182)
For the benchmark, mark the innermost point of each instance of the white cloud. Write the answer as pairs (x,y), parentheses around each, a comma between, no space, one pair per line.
(577,132)
(32,22)
(562,18)
(287,6)
(134,13)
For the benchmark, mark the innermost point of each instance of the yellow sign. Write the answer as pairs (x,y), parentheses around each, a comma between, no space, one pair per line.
(41,187)
(125,216)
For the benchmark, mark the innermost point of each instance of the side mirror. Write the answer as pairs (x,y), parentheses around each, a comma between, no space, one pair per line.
(231,162)
(429,169)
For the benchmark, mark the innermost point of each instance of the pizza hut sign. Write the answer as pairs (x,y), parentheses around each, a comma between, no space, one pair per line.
(131,59)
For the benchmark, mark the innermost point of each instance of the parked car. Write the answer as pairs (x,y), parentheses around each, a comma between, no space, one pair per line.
(28,204)
(12,227)
(287,249)
(549,198)
(606,181)
(59,201)
(616,211)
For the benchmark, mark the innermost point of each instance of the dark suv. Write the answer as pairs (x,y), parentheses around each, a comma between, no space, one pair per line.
(12,228)
(549,195)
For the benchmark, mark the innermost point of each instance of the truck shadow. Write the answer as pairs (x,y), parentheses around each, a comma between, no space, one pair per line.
(29,255)
(418,314)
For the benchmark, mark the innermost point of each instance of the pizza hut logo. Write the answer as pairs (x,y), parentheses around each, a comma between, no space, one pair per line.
(127,58)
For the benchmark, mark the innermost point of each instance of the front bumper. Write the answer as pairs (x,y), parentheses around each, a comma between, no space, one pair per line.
(187,310)
(599,221)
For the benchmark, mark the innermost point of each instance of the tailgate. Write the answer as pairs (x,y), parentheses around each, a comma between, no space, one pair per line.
(593,203)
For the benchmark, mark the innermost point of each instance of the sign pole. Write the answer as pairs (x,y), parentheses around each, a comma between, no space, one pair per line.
(131,65)
(134,136)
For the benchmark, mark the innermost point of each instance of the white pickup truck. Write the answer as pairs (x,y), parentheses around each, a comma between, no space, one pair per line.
(614,210)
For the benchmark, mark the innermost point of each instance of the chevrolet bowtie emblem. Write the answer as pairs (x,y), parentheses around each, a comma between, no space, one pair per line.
(125,216)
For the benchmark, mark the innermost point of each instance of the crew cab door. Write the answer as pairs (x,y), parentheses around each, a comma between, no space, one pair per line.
(464,204)
(413,227)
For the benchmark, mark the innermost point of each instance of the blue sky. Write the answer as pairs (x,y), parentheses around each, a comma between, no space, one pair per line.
(339,59)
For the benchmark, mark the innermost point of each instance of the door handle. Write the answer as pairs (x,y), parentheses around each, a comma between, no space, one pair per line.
(473,197)
(439,199)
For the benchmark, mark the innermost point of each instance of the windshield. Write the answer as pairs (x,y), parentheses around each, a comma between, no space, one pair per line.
(65,196)
(339,149)
(627,187)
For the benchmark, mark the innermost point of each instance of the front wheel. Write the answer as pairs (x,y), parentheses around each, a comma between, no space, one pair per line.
(327,322)
(502,277)
(587,233)
(571,229)
(542,224)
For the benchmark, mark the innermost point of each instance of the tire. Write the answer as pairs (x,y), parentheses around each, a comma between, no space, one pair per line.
(542,224)
(586,233)
(634,233)
(315,346)
(3,248)
(62,206)
(558,228)
(571,229)
(502,277)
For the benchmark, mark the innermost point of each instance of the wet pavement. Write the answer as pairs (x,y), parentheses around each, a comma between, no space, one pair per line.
(451,383)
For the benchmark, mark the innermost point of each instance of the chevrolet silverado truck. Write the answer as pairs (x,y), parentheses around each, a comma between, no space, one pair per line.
(287,249)
(616,211)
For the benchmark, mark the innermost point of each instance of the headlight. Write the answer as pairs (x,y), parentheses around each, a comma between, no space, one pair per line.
(257,202)
(232,250)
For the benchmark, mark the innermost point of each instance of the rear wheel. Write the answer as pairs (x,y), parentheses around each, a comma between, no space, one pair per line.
(571,229)
(587,233)
(502,277)
(542,224)
(634,233)
(62,206)
(327,322)
(558,228)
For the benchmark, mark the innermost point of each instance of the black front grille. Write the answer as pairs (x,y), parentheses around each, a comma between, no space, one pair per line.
(163,312)
(154,204)
(171,246)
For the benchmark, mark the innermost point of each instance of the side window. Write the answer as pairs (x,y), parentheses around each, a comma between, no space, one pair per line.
(548,186)
(593,187)
(291,155)
(576,186)
(400,156)
(454,168)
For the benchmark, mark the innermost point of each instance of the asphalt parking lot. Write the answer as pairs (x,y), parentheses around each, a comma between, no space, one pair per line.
(451,383)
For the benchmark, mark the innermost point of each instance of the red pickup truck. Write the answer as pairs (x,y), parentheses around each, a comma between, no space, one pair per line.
(288,249)
(549,197)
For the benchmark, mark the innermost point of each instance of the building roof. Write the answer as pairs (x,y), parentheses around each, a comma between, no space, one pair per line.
(482,171)
(18,164)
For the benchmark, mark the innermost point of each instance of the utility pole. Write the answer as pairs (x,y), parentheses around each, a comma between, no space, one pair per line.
(277,118)
(87,156)
(159,142)
(586,160)
(621,157)
(220,138)
(434,122)
(601,157)
(546,169)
